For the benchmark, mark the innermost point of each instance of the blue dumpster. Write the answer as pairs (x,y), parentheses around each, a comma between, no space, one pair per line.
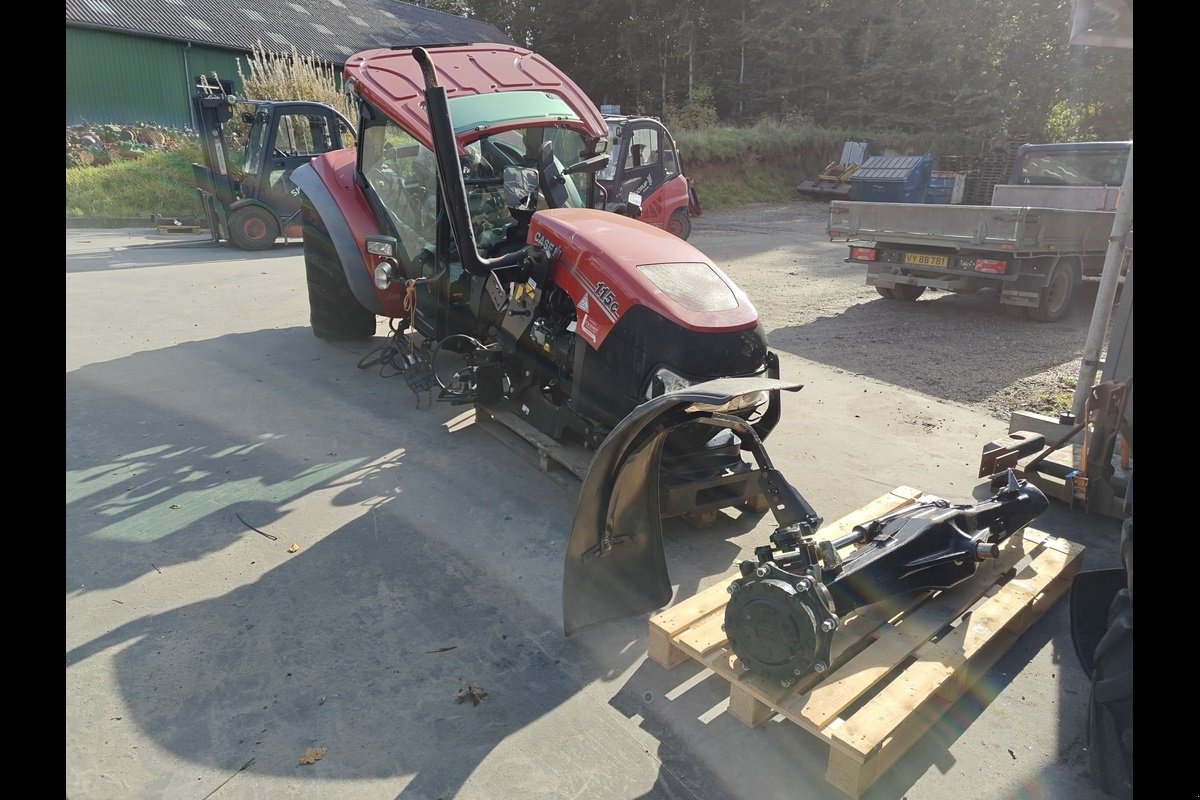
(946,187)
(892,179)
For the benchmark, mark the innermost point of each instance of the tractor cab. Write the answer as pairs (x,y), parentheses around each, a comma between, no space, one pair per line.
(245,183)
(645,170)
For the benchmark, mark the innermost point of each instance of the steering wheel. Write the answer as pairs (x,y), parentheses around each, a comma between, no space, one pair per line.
(553,182)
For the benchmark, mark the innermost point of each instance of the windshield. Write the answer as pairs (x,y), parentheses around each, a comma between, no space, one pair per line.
(403,175)
(1078,168)
(481,111)
(254,146)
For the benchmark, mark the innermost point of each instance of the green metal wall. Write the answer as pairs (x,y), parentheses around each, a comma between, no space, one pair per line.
(114,77)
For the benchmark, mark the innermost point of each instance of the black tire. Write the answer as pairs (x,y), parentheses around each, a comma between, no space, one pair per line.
(253,228)
(680,223)
(907,292)
(1110,700)
(1058,294)
(334,312)
(885,292)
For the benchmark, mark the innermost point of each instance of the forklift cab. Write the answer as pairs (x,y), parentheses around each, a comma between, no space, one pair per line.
(281,137)
(645,170)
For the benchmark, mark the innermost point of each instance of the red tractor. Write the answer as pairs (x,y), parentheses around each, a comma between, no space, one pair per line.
(469,215)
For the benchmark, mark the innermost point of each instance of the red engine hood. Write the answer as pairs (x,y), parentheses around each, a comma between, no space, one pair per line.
(609,263)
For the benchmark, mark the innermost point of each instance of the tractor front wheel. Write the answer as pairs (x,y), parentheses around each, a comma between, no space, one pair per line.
(253,228)
(680,224)
(334,312)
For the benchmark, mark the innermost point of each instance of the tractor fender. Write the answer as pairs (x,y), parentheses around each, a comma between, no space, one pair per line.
(615,561)
(344,242)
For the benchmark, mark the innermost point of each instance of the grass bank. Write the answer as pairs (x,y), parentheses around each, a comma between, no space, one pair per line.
(160,182)
(730,167)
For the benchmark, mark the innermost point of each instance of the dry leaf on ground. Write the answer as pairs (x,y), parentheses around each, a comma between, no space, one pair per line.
(313,754)
(473,693)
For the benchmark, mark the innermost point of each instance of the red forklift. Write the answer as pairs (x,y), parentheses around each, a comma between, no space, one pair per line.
(645,171)
(248,196)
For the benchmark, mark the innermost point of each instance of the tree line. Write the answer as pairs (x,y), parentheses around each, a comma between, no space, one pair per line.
(965,69)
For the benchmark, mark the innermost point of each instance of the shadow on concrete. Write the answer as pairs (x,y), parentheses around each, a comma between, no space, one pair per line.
(443,571)
(142,255)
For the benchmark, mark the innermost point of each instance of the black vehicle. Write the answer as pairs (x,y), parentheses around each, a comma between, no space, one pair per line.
(249,198)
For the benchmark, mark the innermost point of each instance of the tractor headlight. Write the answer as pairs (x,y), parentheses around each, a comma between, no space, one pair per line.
(384,246)
(665,380)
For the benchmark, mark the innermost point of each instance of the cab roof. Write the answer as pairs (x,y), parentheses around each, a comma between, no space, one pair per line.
(392,81)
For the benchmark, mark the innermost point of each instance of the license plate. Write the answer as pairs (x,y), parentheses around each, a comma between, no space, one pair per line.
(926,260)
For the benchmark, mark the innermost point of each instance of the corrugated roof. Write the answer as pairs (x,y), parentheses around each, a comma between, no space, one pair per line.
(333,30)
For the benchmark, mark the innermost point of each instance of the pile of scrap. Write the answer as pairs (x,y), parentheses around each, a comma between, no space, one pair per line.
(834,180)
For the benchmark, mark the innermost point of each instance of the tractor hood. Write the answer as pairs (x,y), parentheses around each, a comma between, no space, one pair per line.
(614,262)
(488,87)
(615,563)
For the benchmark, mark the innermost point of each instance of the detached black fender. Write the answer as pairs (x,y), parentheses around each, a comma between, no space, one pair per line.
(344,243)
(615,563)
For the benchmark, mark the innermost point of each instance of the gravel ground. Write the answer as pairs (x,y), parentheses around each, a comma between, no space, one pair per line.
(963,348)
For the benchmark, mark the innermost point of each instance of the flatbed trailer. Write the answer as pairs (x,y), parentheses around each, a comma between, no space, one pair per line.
(1036,242)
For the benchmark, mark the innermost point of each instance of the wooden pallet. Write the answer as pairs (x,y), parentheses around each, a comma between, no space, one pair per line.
(519,435)
(896,667)
(178,229)
(566,463)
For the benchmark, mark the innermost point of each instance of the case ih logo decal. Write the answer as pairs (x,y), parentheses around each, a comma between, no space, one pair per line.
(551,249)
(607,299)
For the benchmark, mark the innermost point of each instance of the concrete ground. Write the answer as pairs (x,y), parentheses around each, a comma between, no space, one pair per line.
(272,554)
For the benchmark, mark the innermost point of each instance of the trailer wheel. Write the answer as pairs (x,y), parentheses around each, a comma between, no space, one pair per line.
(253,228)
(885,292)
(680,224)
(1058,294)
(907,292)
(334,312)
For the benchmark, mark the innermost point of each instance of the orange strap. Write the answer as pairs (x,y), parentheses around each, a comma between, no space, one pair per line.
(410,289)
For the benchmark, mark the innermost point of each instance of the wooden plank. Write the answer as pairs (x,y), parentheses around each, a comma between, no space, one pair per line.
(747,708)
(854,776)
(938,662)
(894,500)
(667,625)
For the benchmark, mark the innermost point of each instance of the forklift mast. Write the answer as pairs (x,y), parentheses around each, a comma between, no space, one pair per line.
(214,106)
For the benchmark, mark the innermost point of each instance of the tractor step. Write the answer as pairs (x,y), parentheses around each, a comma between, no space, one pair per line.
(897,667)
